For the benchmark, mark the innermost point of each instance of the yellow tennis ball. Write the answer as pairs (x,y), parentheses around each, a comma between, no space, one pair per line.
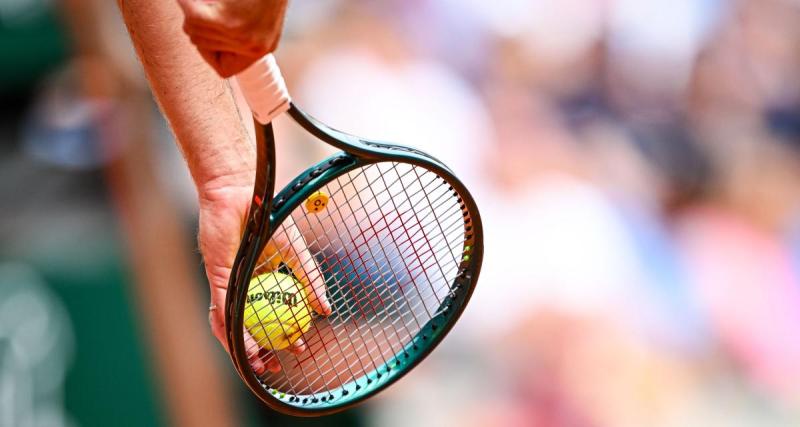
(276,312)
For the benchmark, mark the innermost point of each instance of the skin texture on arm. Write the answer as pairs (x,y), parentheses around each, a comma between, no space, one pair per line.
(198,104)
(202,111)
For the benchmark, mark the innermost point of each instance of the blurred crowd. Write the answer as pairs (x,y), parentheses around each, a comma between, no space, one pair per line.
(636,163)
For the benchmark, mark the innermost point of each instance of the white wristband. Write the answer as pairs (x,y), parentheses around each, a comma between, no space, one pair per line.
(264,89)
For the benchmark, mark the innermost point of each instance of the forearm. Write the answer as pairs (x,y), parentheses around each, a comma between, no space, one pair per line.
(198,104)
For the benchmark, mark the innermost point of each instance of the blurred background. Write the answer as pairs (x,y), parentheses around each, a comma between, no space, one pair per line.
(636,161)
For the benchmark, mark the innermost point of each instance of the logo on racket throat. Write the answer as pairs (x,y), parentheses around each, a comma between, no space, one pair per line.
(275,297)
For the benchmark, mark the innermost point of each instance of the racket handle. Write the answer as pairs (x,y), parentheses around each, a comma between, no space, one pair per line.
(264,89)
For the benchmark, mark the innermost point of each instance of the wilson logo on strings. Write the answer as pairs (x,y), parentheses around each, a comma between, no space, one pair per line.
(286,298)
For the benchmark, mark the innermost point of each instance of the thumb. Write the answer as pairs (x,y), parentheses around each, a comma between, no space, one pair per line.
(305,267)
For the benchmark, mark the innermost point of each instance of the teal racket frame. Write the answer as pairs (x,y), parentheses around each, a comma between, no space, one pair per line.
(267,210)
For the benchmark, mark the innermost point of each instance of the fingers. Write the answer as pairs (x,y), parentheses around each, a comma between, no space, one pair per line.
(203,42)
(298,346)
(272,362)
(312,279)
(263,360)
(288,246)
(258,361)
(226,64)
(237,32)
(215,31)
(305,268)
(269,260)
(218,245)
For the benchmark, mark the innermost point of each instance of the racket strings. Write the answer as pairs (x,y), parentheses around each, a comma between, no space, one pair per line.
(296,239)
(454,228)
(455,223)
(374,255)
(356,347)
(388,244)
(384,273)
(371,254)
(396,322)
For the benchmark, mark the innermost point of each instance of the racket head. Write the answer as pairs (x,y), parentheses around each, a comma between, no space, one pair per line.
(399,247)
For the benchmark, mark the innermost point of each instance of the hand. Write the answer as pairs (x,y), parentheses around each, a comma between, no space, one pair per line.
(222,216)
(232,34)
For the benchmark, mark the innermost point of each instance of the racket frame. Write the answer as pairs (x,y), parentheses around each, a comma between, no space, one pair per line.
(266,210)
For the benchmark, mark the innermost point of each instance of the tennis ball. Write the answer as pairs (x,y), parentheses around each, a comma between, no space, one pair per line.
(276,312)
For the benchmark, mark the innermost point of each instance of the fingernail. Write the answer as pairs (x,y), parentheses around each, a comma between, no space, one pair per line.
(259,368)
(298,346)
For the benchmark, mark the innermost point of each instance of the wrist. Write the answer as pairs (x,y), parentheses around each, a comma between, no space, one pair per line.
(221,186)
(216,166)
(216,175)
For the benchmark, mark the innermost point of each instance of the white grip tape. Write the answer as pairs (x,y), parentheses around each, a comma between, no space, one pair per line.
(264,89)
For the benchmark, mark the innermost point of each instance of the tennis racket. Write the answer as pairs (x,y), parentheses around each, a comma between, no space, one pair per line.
(364,262)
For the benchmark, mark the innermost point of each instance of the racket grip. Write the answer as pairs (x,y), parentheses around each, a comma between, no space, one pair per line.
(264,89)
